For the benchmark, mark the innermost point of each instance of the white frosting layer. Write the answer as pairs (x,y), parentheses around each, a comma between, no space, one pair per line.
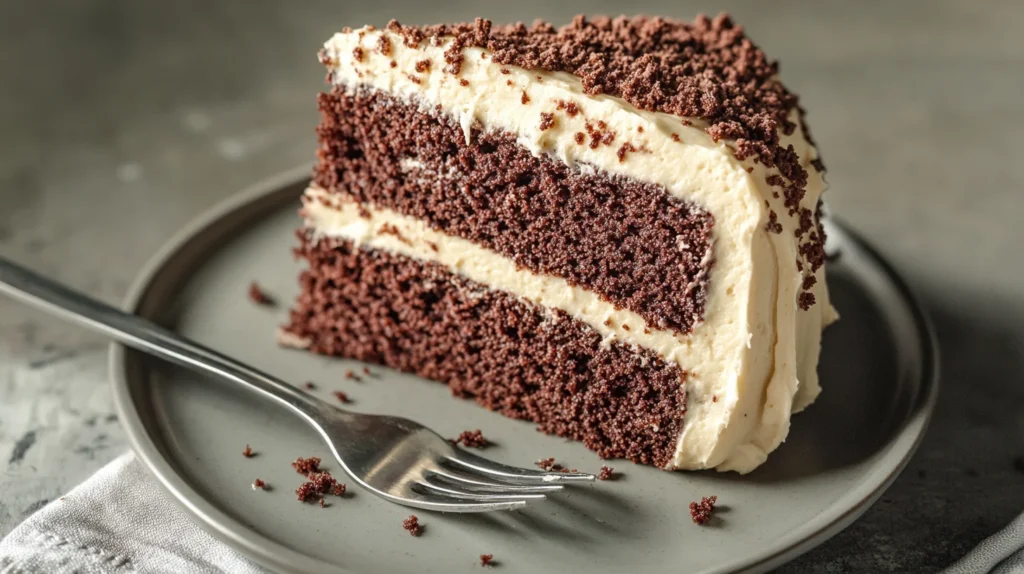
(752,359)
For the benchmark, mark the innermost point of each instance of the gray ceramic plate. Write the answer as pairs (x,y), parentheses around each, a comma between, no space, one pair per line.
(878,371)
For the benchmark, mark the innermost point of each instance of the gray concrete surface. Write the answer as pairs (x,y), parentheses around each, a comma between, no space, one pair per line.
(119,121)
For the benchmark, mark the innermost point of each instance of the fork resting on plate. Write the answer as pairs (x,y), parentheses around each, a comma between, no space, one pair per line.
(395,458)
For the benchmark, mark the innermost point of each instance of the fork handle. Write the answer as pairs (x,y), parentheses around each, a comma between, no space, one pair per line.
(147,336)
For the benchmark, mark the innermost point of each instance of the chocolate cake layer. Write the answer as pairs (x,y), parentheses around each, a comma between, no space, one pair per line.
(511,356)
(632,243)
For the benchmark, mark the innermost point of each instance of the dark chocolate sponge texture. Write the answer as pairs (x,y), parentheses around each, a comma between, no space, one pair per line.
(510,355)
(632,243)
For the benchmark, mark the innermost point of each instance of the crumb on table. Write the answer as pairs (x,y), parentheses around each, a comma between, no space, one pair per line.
(607,473)
(701,511)
(306,465)
(473,439)
(309,385)
(259,484)
(412,525)
(341,396)
(258,295)
(487,560)
(247,453)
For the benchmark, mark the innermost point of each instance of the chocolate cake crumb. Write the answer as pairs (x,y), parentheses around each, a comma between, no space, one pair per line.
(550,465)
(525,99)
(487,560)
(423,66)
(393,64)
(569,107)
(547,121)
(384,45)
(625,149)
(413,79)
(309,385)
(509,83)
(317,485)
(247,453)
(599,133)
(341,396)
(805,300)
(640,129)
(505,71)
(463,82)
(323,503)
(259,484)
(700,512)
(350,375)
(607,473)
(412,525)
(473,439)
(773,224)
(675,137)
(339,489)
(306,466)
(259,296)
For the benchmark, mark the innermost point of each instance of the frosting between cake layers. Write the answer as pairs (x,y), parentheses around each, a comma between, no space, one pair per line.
(752,360)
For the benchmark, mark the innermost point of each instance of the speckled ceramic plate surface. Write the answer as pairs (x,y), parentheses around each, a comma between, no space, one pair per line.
(878,371)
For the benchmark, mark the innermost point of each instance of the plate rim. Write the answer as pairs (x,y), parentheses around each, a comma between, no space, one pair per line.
(279,557)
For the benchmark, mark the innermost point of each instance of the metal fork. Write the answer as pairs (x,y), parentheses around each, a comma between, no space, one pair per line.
(395,458)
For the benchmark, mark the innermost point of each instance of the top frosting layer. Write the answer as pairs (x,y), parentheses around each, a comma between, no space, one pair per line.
(706,70)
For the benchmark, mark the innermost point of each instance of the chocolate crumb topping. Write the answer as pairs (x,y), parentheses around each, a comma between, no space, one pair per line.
(570,108)
(700,512)
(580,138)
(607,473)
(384,45)
(463,82)
(423,66)
(625,149)
(526,98)
(547,121)
(546,463)
(599,133)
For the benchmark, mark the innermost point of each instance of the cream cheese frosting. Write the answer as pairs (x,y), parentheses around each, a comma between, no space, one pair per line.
(751,360)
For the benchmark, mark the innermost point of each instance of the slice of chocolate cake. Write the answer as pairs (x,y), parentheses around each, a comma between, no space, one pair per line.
(610,229)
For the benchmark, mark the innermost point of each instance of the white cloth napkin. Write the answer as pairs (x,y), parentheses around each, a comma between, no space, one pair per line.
(118,521)
(1001,553)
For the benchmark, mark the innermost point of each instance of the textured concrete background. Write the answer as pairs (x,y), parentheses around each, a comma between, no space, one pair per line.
(120,121)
